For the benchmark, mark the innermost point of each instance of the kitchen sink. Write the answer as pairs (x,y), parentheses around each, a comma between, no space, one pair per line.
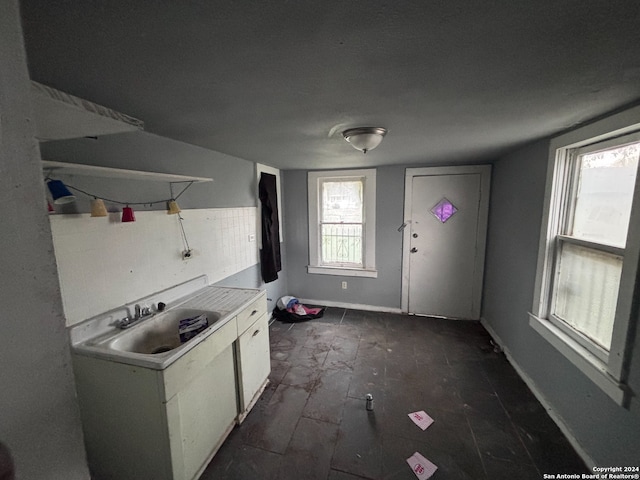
(154,341)
(158,334)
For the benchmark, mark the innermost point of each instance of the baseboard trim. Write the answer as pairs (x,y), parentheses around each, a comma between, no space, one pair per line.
(351,306)
(541,398)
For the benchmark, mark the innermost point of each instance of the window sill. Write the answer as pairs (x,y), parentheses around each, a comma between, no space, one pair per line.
(343,271)
(594,368)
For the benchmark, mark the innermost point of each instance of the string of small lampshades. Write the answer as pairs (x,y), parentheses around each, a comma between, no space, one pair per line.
(98,208)
(173,198)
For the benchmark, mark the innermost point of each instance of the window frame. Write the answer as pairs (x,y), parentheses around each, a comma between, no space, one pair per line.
(314,180)
(578,336)
(608,371)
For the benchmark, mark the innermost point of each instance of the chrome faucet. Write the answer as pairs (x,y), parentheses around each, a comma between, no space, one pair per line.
(126,322)
(140,313)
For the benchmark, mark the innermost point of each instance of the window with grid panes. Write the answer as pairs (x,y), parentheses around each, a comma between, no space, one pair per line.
(342,222)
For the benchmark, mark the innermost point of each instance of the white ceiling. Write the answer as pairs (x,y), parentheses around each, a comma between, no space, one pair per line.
(276,82)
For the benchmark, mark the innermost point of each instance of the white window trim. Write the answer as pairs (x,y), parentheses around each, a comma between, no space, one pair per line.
(609,374)
(369,268)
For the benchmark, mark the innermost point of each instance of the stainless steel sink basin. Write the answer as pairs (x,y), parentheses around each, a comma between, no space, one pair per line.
(158,334)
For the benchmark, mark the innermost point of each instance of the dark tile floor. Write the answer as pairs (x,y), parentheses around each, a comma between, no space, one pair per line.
(311,421)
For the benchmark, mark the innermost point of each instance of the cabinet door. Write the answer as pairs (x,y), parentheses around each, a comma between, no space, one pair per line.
(201,415)
(255,360)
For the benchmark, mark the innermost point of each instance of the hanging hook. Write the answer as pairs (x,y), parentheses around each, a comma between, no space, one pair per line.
(404,225)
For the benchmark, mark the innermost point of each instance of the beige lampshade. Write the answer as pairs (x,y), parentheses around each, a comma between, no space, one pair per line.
(97,208)
(172,207)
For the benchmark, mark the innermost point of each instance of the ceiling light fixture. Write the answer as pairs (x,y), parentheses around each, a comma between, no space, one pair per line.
(364,138)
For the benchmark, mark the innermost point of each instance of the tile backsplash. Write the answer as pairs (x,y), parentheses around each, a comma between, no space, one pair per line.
(103,263)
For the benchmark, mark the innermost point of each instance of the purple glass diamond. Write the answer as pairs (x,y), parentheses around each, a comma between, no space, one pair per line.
(444,210)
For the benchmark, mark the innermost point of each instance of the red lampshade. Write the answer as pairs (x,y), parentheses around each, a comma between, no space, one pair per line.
(127,215)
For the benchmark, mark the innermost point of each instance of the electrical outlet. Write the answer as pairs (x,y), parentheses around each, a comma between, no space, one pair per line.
(344,285)
(252,237)
(187,254)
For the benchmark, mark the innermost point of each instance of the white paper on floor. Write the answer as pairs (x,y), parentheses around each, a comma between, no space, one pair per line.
(422,467)
(421,419)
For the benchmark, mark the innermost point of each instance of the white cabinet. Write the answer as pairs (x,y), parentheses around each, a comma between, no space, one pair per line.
(253,359)
(142,423)
(202,406)
(164,420)
(253,364)
(201,416)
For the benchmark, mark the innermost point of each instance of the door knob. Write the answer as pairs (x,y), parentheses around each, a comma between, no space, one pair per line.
(415,235)
(414,250)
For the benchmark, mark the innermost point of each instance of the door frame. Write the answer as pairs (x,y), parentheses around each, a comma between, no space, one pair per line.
(483,210)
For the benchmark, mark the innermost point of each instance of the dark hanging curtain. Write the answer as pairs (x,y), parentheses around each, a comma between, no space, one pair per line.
(270,262)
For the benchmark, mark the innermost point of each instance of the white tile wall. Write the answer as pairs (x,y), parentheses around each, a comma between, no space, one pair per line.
(103,263)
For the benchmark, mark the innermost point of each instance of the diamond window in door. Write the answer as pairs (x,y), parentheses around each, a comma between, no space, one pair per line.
(444,210)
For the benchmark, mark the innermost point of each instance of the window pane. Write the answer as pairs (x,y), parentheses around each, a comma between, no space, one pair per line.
(342,202)
(605,193)
(341,222)
(587,291)
(341,244)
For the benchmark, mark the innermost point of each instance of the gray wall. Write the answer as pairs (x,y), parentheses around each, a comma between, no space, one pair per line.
(384,291)
(608,433)
(251,278)
(39,418)
(234,178)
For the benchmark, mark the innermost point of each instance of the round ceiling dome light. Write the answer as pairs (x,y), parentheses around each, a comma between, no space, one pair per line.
(364,138)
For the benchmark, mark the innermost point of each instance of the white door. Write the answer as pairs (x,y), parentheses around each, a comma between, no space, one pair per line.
(444,240)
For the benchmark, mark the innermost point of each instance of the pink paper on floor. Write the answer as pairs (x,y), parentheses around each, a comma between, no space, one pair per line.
(421,419)
(422,467)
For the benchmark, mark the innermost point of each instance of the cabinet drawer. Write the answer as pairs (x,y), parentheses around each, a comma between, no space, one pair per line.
(252,313)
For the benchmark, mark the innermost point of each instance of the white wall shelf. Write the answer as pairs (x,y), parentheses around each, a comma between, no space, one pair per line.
(64,168)
(60,116)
